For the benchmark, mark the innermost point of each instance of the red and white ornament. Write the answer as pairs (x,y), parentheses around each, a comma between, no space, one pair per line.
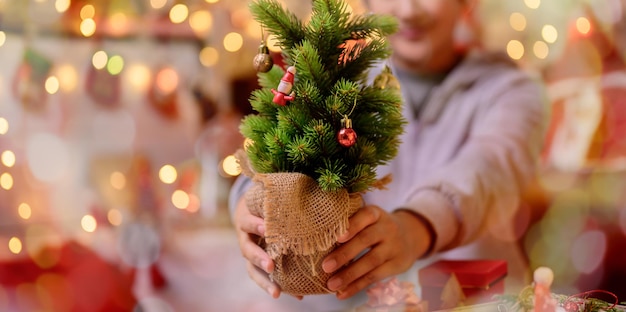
(283,93)
(346,135)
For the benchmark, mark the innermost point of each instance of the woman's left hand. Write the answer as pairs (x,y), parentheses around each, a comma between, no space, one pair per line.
(395,240)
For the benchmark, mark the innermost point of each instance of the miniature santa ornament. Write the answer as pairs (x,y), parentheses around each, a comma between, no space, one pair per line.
(283,93)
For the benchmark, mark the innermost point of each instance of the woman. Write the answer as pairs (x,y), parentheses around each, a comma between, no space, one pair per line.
(475,128)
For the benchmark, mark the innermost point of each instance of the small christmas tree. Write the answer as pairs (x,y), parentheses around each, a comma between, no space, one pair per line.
(320,132)
(331,56)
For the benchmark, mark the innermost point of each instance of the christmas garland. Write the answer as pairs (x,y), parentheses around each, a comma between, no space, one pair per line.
(524,302)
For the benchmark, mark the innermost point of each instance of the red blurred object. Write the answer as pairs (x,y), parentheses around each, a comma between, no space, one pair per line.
(74,279)
(480,279)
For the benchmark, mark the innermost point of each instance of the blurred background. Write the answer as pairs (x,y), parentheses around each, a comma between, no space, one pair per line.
(119,118)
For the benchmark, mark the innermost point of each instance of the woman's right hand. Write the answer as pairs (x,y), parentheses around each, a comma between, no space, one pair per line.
(249,230)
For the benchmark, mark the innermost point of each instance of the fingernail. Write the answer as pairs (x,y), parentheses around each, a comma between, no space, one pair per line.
(261,229)
(329,265)
(343,236)
(272,291)
(265,266)
(334,283)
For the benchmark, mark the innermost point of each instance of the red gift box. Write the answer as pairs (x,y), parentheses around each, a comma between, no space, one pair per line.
(479,280)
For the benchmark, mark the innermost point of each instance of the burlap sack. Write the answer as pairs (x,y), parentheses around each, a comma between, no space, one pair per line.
(302,223)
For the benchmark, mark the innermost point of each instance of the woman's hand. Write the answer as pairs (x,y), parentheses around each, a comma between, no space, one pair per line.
(249,230)
(395,240)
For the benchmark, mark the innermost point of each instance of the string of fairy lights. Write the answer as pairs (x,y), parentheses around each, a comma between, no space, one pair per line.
(528,39)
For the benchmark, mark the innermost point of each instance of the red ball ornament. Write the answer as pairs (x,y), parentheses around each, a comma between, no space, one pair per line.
(346,136)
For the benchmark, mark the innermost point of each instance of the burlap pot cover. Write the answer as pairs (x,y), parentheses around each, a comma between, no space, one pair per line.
(302,223)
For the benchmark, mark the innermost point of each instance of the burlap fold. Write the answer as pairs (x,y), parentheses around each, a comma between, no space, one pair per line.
(302,223)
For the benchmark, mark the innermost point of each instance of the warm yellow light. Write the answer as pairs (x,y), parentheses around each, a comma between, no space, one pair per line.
(87,11)
(24,211)
(158,4)
(541,49)
(8,158)
(517,21)
(99,59)
(179,13)
(3,38)
(88,223)
(15,245)
(583,25)
(88,27)
(168,174)
(230,165)
(273,45)
(532,4)
(118,23)
(115,65)
(549,33)
(211,1)
(6,181)
(180,199)
(247,142)
(167,80)
(201,21)
(115,217)
(118,180)
(68,77)
(62,5)
(139,77)
(515,49)
(4,126)
(52,85)
(209,56)
(233,42)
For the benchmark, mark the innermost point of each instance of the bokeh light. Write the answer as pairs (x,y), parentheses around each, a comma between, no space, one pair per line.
(515,49)
(168,174)
(541,50)
(118,180)
(532,4)
(167,80)
(52,85)
(68,77)
(273,45)
(88,223)
(180,199)
(6,181)
(549,33)
(24,211)
(230,165)
(99,59)
(115,65)
(4,126)
(517,21)
(179,13)
(15,245)
(139,77)
(3,38)
(158,4)
(233,42)
(87,11)
(62,5)
(88,27)
(583,25)
(8,158)
(115,217)
(211,1)
(201,21)
(209,56)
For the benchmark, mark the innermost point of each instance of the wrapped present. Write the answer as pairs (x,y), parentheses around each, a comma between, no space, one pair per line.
(450,283)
